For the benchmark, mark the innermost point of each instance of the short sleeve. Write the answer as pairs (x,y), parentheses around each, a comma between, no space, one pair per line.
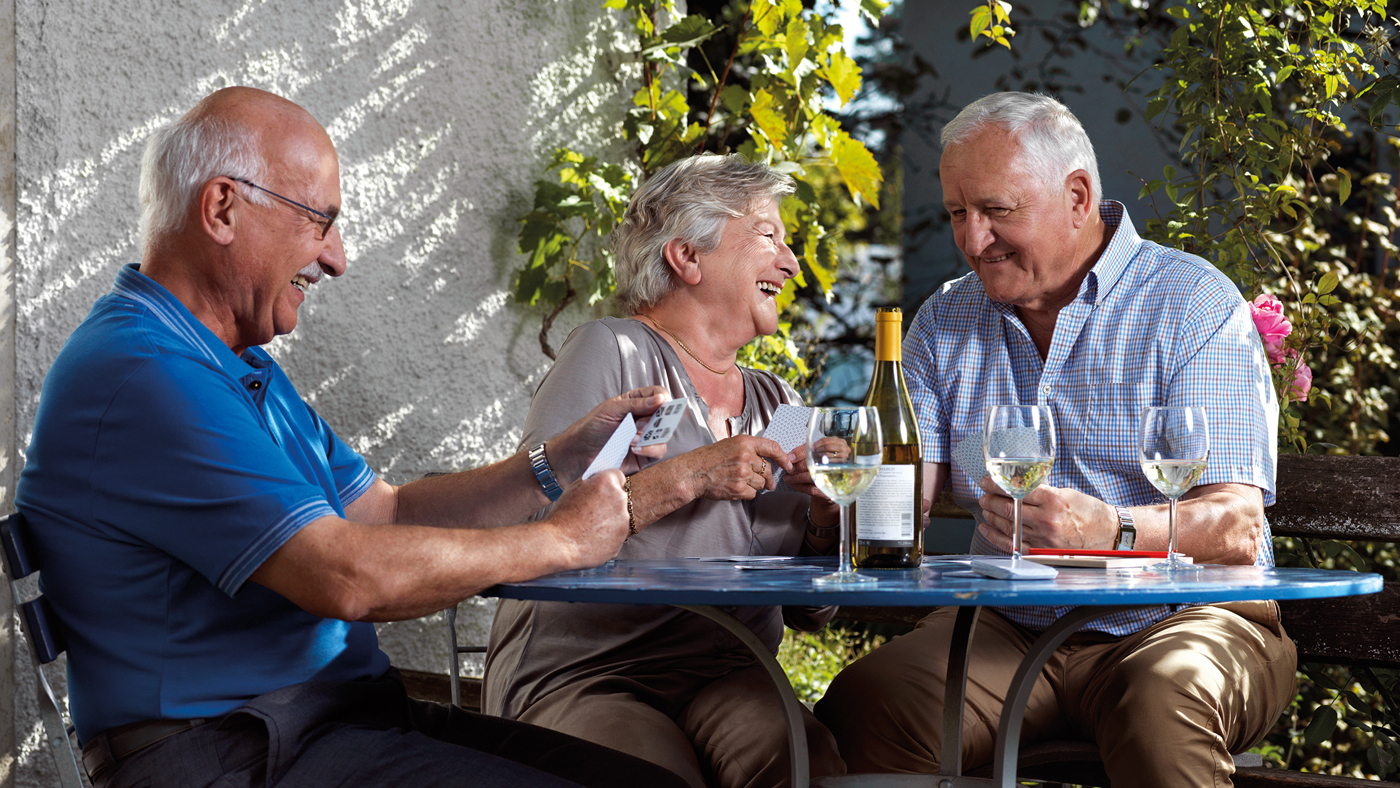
(186,461)
(920,361)
(1228,374)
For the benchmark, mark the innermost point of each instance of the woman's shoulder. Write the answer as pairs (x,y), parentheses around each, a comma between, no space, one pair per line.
(771,388)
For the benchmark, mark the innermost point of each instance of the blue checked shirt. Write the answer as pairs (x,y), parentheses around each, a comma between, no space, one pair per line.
(1151,326)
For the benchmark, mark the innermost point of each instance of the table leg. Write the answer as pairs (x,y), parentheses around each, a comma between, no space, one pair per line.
(955,690)
(792,708)
(1019,693)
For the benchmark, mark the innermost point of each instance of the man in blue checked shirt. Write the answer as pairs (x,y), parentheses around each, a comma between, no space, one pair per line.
(217,555)
(1068,307)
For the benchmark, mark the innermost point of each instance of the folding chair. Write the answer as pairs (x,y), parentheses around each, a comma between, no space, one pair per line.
(455,652)
(46,642)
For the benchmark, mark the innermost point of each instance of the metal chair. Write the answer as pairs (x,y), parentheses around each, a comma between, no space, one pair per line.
(455,652)
(46,642)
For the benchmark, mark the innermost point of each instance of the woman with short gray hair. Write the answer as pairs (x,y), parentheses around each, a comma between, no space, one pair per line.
(701,259)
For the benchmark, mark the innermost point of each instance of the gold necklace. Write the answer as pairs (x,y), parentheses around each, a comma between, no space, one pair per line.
(686,349)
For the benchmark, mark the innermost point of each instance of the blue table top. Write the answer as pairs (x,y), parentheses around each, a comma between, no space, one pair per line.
(687,581)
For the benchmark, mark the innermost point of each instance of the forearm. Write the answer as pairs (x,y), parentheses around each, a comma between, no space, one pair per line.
(501,493)
(1217,524)
(661,489)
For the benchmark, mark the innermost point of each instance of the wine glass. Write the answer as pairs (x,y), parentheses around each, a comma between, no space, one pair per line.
(1173,446)
(844,451)
(1019,447)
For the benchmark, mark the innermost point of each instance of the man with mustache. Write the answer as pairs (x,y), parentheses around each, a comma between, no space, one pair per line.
(217,555)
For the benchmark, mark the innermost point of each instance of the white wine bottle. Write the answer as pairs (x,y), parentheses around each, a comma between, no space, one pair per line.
(888,515)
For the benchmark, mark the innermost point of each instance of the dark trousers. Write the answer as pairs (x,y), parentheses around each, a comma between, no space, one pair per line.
(370,733)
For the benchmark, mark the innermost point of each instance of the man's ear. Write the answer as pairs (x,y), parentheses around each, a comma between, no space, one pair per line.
(683,260)
(1079,190)
(216,210)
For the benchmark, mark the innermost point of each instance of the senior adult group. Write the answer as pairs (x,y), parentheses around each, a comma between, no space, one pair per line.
(215,552)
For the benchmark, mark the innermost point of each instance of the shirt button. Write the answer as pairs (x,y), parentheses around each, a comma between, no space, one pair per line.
(255,385)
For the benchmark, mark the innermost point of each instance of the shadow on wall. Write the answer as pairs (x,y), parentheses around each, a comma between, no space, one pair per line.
(444,114)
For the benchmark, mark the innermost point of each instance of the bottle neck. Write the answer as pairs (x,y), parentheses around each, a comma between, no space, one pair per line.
(887,340)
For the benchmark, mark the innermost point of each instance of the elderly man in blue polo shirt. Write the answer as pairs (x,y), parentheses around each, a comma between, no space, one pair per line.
(1068,307)
(217,554)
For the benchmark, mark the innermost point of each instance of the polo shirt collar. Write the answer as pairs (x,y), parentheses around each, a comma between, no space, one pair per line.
(135,286)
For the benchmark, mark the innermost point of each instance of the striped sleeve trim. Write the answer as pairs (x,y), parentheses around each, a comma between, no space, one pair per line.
(269,541)
(357,487)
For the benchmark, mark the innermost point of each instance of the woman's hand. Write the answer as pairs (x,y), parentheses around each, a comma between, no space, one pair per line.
(824,511)
(733,469)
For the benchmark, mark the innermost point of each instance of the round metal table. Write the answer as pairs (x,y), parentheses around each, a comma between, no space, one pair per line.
(706,586)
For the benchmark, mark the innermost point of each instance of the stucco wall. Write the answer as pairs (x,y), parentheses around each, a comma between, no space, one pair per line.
(443,113)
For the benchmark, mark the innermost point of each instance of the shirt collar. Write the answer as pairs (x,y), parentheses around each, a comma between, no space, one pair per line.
(135,286)
(1111,265)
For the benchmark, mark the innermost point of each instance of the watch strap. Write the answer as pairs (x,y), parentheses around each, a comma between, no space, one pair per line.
(544,474)
(1127,531)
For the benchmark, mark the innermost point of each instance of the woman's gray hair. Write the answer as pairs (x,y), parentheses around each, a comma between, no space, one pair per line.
(688,200)
(182,157)
(1053,142)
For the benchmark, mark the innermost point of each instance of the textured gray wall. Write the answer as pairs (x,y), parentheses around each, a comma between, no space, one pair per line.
(443,113)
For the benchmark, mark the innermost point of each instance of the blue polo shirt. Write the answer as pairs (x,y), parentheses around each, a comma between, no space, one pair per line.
(163,470)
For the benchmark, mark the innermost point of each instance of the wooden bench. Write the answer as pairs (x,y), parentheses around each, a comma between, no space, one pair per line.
(1319,497)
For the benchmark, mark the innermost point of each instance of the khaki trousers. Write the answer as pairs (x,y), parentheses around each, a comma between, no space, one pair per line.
(1166,705)
(728,732)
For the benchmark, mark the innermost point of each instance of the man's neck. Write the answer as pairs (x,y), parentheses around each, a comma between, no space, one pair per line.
(1040,317)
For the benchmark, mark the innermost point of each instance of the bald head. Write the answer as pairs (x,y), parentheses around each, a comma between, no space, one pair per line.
(234,132)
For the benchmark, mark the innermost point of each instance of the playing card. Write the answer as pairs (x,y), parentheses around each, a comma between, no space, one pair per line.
(615,450)
(663,422)
(970,458)
(788,427)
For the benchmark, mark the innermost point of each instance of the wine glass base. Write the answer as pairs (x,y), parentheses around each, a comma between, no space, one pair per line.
(1174,565)
(843,579)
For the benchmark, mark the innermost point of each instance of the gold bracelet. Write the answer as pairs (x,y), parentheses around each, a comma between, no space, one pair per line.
(631,518)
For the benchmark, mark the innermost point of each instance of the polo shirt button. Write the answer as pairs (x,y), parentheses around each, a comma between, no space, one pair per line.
(255,385)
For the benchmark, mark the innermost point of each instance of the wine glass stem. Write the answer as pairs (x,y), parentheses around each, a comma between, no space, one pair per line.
(1015,529)
(1171,531)
(847,562)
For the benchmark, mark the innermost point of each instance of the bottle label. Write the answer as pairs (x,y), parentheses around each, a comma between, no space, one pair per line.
(885,512)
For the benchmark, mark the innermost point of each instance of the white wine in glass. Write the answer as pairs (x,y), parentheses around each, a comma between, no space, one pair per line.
(1019,447)
(1173,447)
(844,451)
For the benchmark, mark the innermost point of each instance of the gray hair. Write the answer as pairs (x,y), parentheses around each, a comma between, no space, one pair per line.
(1053,142)
(688,200)
(182,157)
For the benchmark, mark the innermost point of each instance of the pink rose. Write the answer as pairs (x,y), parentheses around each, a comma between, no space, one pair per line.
(1273,327)
(1302,382)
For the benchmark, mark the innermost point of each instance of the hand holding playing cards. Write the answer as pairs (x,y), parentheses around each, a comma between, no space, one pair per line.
(571,451)
(734,468)
(824,511)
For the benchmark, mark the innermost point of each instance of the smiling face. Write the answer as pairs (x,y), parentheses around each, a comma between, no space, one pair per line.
(280,251)
(742,277)
(1023,238)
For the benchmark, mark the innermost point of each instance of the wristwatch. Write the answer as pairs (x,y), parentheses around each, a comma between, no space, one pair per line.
(1127,532)
(540,465)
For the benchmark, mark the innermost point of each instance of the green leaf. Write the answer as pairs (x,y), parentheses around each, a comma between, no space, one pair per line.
(857,167)
(766,16)
(768,119)
(981,20)
(1328,283)
(844,76)
(874,9)
(1344,187)
(1324,722)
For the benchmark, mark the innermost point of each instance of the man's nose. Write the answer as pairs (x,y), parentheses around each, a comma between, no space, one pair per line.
(977,235)
(332,259)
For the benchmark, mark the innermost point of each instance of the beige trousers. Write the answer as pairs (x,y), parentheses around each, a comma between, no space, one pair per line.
(728,732)
(1166,705)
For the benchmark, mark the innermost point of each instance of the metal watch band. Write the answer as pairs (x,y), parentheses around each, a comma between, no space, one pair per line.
(1127,532)
(540,465)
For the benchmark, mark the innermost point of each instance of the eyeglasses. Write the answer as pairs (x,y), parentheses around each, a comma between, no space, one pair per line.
(327,219)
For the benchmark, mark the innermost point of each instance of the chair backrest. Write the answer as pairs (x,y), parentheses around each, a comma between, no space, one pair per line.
(46,641)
